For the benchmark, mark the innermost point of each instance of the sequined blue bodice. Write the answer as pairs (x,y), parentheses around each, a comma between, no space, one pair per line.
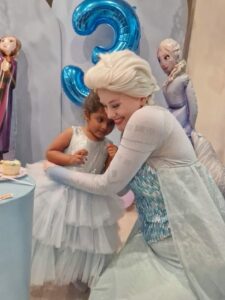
(150,205)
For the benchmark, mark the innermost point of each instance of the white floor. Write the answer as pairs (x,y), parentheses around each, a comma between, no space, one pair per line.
(69,292)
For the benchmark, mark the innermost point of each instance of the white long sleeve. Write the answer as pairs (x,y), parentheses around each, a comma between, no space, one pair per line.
(144,133)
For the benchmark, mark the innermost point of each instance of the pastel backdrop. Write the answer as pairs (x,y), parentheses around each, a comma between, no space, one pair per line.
(37,96)
(41,109)
(206,63)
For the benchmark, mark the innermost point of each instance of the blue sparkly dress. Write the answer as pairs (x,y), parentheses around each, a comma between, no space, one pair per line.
(177,249)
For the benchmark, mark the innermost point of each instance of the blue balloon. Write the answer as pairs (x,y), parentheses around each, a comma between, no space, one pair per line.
(87,16)
(73,84)
(118,14)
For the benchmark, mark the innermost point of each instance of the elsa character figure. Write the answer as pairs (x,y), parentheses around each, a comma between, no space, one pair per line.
(182,103)
(177,89)
(9,49)
(74,233)
(178,252)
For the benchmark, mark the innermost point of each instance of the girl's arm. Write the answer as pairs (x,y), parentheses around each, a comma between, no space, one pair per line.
(55,152)
(144,133)
(111,149)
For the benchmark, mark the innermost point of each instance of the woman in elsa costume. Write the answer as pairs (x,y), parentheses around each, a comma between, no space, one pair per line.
(181,100)
(178,251)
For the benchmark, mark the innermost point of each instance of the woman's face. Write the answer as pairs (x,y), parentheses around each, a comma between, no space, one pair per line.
(8,44)
(166,60)
(119,107)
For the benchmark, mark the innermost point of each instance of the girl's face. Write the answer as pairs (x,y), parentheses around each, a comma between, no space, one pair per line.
(166,60)
(119,107)
(98,124)
(8,44)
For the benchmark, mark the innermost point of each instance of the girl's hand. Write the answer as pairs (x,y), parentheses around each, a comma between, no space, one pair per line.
(79,157)
(111,149)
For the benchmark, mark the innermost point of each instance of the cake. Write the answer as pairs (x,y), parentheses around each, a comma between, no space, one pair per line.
(10,167)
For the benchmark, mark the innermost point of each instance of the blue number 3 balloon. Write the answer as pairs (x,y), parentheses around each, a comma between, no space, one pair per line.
(86,18)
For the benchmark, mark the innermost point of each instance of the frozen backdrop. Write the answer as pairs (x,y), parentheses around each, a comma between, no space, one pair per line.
(41,109)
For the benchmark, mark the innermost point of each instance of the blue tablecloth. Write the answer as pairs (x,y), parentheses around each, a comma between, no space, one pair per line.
(15,240)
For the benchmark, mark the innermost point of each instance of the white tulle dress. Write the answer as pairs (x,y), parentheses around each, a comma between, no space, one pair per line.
(74,233)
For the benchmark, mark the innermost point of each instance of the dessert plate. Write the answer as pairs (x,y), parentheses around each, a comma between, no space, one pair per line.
(23,172)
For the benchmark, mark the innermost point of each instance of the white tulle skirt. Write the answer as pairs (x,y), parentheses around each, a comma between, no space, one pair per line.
(74,233)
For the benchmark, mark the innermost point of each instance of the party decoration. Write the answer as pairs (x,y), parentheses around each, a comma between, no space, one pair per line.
(87,16)
(9,48)
(73,84)
(117,14)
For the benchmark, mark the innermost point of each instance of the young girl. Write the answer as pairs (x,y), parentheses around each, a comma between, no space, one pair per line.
(74,234)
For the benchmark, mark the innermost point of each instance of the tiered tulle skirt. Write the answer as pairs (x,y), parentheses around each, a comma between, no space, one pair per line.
(74,233)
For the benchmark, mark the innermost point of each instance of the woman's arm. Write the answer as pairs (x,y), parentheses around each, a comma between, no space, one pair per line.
(143,134)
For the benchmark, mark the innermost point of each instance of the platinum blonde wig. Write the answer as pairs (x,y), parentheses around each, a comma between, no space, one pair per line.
(173,47)
(122,72)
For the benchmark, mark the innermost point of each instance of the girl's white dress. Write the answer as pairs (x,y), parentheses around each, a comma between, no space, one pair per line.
(74,233)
